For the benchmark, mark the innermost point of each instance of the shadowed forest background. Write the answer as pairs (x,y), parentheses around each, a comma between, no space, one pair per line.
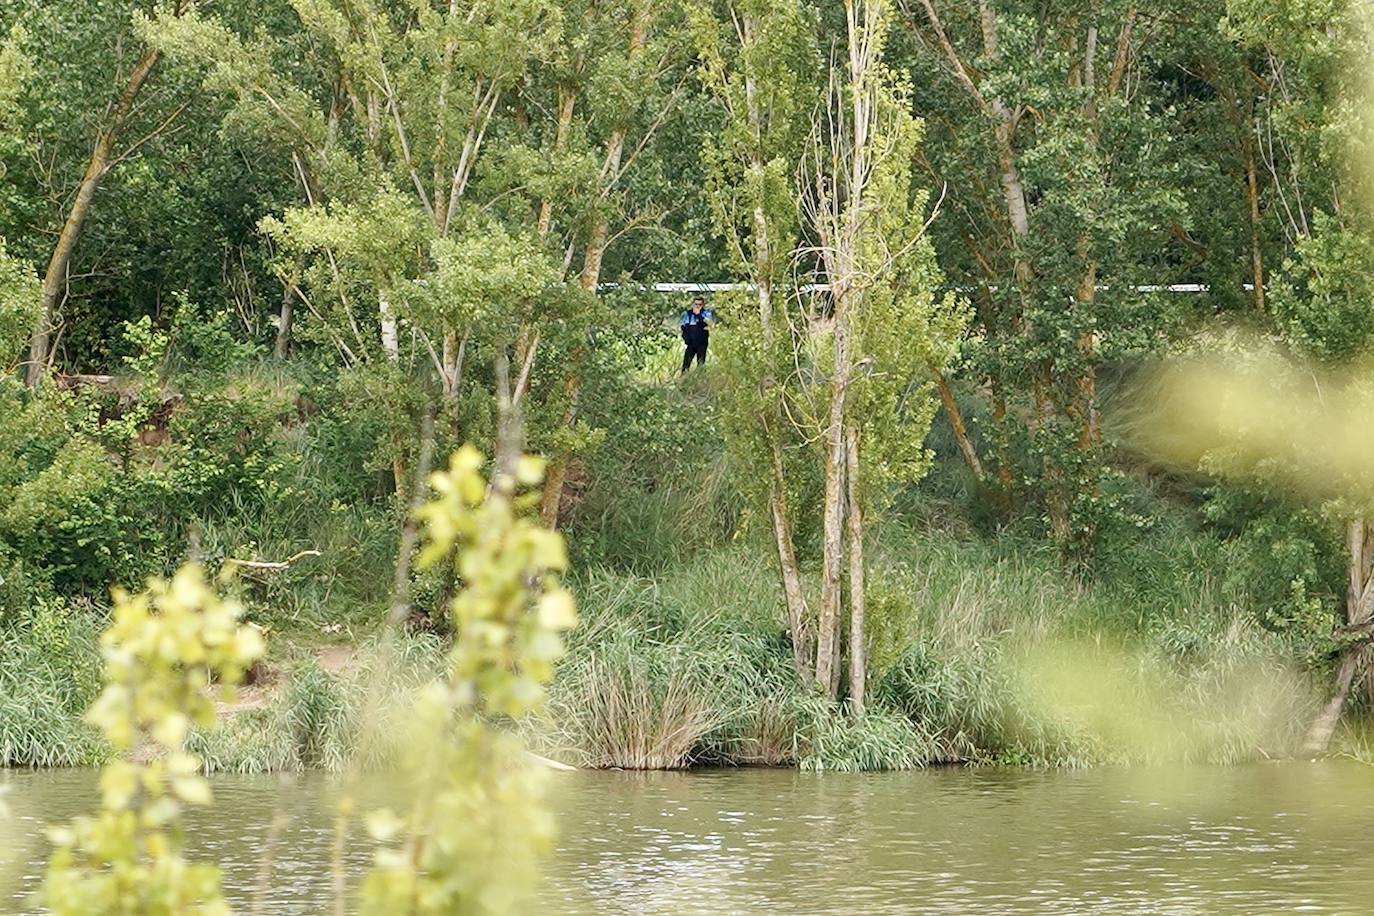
(259,258)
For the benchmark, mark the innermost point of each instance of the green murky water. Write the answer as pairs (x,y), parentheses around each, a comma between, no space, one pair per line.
(1257,839)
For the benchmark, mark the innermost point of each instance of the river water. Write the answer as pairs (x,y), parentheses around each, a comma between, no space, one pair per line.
(1265,838)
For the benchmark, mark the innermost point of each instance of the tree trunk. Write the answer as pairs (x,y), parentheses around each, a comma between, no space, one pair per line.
(956,422)
(288,311)
(55,277)
(526,349)
(591,269)
(527,337)
(763,247)
(450,365)
(832,545)
(1058,500)
(843,241)
(1318,738)
(1013,188)
(439,204)
(1005,476)
(615,153)
(1252,197)
(1018,215)
(787,564)
(1359,612)
(551,502)
(779,510)
(596,251)
(391,341)
(1242,116)
(858,643)
(567,100)
(391,347)
(1086,387)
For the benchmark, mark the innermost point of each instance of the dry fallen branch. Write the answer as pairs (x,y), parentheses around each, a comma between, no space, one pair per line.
(271,565)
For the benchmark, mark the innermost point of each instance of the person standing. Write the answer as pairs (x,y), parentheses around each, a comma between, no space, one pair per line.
(696,332)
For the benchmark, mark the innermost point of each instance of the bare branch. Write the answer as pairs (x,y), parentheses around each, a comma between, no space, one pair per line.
(271,565)
(155,132)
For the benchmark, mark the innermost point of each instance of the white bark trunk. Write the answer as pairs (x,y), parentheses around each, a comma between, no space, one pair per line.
(832,519)
(858,641)
(391,341)
(1359,613)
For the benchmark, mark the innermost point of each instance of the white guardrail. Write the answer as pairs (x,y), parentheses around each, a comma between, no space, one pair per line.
(731,287)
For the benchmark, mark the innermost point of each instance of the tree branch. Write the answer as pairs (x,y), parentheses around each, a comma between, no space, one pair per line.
(265,564)
(1123,53)
(960,70)
(155,132)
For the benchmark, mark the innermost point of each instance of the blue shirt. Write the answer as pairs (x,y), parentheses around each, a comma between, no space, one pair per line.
(690,319)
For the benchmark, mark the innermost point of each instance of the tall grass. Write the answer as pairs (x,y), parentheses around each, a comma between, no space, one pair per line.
(637,707)
(880,740)
(329,720)
(49,674)
(648,526)
(982,651)
(687,666)
(1356,743)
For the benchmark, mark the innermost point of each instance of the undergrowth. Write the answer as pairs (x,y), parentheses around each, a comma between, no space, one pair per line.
(353,718)
(982,648)
(981,654)
(49,674)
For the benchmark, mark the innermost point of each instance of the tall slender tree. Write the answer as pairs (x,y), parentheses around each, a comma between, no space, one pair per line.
(758,59)
(134,64)
(629,106)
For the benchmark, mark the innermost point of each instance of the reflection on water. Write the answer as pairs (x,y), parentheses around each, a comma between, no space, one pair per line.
(1264,838)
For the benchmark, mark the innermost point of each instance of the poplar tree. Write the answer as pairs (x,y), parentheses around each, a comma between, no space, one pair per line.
(840,359)
(759,60)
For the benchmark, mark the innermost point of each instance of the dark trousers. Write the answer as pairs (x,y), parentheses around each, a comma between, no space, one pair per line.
(696,349)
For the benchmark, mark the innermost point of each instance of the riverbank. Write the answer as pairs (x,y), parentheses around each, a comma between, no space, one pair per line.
(981,654)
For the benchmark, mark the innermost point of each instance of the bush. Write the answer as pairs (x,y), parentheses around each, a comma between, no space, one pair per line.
(660,488)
